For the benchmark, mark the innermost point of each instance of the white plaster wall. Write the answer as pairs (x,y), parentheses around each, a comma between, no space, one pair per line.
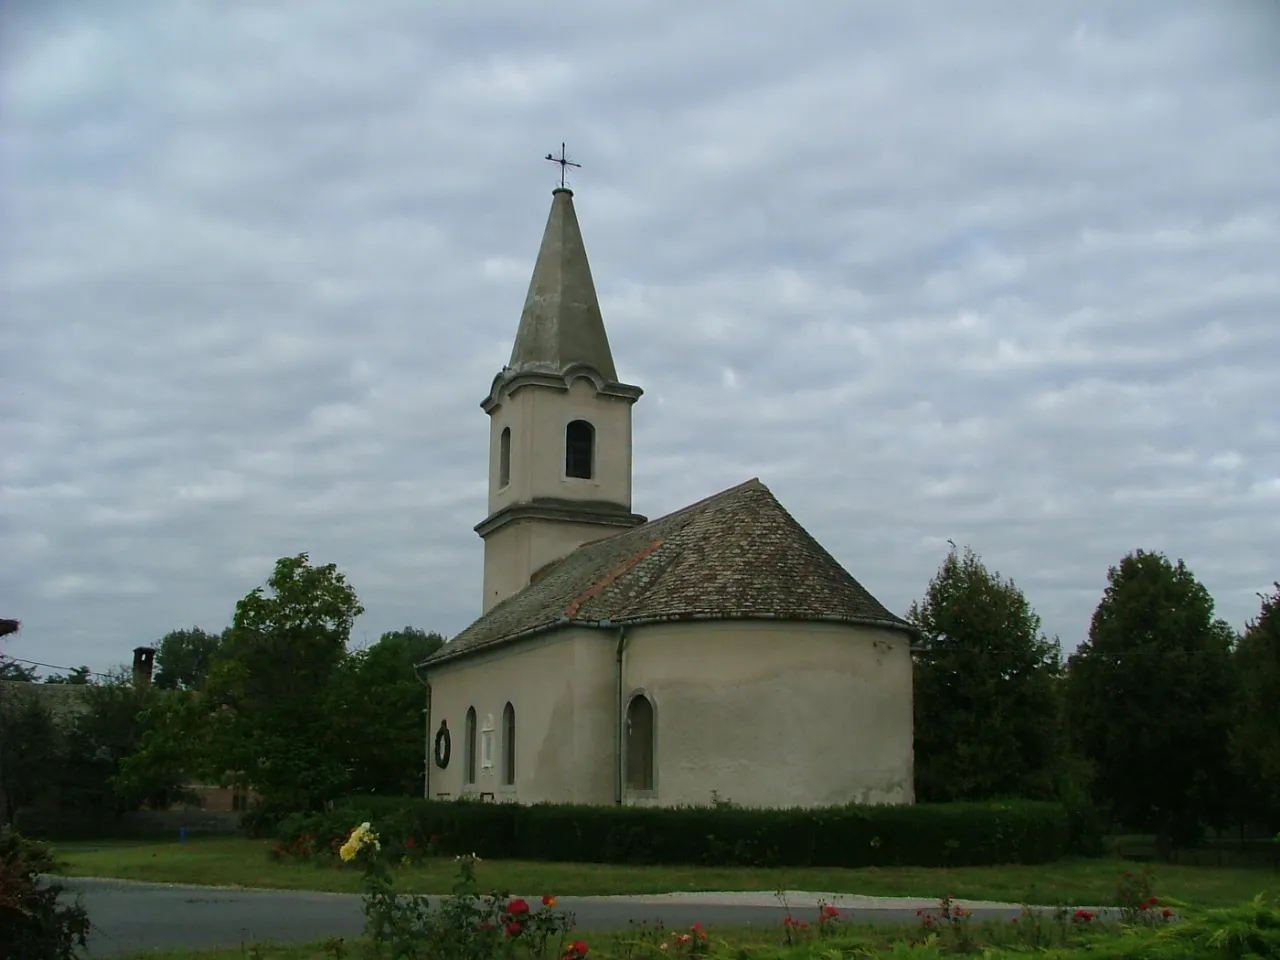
(537,416)
(563,689)
(771,714)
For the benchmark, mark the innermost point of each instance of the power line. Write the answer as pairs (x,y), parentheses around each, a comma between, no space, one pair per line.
(52,666)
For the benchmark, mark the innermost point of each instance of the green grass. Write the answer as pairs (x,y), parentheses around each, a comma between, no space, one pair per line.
(243,863)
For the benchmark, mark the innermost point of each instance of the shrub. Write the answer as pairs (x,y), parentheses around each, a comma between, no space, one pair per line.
(33,925)
(924,835)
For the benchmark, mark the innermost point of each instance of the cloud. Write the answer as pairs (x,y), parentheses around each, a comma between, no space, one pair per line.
(1006,277)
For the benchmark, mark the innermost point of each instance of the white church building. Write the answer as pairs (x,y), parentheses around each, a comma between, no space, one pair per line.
(619,660)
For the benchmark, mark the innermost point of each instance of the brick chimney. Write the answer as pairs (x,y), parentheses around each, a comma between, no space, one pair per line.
(143,660)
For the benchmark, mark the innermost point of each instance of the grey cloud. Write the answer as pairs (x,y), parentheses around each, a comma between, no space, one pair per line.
(1005,277)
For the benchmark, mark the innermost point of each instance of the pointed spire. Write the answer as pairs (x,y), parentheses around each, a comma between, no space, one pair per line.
(561,323)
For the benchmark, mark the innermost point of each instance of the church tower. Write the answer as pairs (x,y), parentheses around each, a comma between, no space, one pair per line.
(559,422)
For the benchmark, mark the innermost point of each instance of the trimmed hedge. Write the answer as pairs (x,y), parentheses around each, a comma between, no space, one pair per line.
(923,835)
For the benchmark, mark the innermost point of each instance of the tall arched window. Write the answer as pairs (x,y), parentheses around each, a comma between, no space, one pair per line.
(504,458)
(640,743)
(579,449)
(509,745)
(469,761)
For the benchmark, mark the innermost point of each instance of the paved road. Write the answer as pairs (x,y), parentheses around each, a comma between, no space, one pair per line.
(129,916)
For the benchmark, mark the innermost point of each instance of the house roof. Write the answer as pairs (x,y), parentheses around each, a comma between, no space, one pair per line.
(63,700)
(561,325)
(735,555)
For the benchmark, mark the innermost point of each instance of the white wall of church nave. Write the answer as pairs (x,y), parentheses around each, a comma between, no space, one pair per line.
(561,685)
(776,714)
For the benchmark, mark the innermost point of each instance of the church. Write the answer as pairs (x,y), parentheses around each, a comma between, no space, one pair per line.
(717,652)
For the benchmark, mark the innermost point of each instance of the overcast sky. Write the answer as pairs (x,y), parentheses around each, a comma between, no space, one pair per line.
(1004,273)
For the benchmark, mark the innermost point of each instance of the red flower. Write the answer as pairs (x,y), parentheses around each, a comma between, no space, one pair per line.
(1142,905)
(698,929)
(830,910)
(576,950)
(1166,913)
(517,907)
(514,928)
(1082,916)
(1153,901)
(548,900)
(411,843)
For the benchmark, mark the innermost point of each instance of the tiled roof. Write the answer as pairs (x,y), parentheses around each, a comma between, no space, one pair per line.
(63,700)
(736,555)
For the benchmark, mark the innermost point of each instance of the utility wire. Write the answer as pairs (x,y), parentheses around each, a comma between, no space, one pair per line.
(51,666)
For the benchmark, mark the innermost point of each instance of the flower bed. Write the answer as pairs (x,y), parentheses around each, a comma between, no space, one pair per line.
(498,926)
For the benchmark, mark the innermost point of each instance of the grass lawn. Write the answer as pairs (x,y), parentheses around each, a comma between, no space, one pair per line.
(227,861)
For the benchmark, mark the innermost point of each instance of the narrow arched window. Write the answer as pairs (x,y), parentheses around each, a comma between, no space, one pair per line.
(579,448)
(509,745)
(504,458)
(469,761)
(639,743)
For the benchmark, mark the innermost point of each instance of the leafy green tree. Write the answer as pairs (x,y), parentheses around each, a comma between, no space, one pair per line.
(79,676)
(12,670)
(172,739)
(102,736)
(987,715)
(378,701)
(1256,737)
(182,658)
(29,750)
(268,684)
(1149,699)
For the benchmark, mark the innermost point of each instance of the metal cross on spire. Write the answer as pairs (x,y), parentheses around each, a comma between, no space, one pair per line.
(564,162)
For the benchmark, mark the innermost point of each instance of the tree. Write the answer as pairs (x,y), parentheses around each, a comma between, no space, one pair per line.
(1255,738)
(105,733)
(987,715)
(267,685)
(378,699)
(29,748)
(182,658)
(171,739)
(79,676)
(12,670)
(1149,698)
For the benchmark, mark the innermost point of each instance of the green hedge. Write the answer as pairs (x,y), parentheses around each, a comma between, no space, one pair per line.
(924,835)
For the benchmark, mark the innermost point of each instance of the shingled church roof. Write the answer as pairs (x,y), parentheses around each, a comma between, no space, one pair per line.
(735,555)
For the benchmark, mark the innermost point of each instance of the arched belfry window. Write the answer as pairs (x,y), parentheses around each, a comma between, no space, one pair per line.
(579,449)
(504,458)
(469,760)
(509,745)
(639,743)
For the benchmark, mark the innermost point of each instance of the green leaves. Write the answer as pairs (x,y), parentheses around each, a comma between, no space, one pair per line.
(986,708)
(1149,693)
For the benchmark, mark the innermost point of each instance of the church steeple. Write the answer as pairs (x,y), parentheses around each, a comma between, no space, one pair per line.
(561,323)
(560,422)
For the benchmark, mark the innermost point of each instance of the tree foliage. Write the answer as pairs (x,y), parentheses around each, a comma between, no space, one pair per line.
(1256,735)
(378,700)
(183,658)
(987,714)
(29,751)
(12,670)
(1149,698)
(78,676)
(267,685)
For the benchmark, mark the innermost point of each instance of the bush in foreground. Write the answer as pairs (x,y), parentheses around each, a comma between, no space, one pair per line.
(923,835)
(33,924)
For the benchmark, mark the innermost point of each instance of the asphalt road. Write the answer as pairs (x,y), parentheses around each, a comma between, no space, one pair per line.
(129,917)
